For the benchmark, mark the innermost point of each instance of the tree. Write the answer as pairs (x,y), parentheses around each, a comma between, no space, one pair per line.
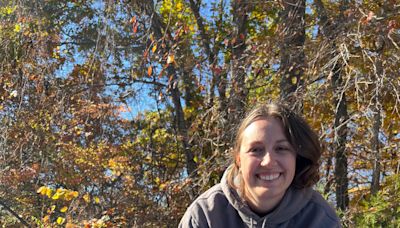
(292,62)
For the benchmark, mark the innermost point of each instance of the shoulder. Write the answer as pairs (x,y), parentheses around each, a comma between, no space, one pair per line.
(321,203)
(205,208)
(323,213)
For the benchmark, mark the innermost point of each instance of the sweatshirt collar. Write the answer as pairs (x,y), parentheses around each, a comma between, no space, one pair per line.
(293,201)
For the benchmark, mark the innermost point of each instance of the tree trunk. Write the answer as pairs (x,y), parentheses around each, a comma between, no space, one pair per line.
(340,134)
(182,127)
(376,172)
(291,50)
(239,90)
(191,165)
(331,31)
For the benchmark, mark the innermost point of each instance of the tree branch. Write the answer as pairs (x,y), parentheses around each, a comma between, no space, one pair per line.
(3,204)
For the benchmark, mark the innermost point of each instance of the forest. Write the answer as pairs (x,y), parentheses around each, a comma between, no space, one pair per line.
(120,113)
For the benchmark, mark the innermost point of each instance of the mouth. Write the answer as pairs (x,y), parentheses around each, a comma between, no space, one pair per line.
(269,177)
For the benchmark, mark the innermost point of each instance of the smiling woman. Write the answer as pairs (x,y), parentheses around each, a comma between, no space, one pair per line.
(269,184)
(267,162)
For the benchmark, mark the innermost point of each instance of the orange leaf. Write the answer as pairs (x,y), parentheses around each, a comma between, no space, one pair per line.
(161,73)
(133,20)
(149,70)
(171,59)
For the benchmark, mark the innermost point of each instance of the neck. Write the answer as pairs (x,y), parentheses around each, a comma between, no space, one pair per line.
(265,206)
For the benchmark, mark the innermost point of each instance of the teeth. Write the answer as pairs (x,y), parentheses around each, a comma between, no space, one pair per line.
(269,177)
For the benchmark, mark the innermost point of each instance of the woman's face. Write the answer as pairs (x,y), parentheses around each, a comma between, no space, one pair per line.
(267,162)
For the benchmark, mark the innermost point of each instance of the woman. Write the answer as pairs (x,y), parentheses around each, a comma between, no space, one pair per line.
(275,164)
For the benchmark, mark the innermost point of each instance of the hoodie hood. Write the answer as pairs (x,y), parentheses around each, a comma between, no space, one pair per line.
(292,202)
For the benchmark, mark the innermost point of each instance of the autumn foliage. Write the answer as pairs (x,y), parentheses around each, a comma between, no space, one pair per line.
(119,113)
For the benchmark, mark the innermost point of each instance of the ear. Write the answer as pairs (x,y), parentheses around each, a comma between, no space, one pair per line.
(237,160)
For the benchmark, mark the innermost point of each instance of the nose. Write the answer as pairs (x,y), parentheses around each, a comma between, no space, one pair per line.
(268,160)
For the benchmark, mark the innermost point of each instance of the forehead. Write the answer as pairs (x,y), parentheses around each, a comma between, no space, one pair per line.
(270,128)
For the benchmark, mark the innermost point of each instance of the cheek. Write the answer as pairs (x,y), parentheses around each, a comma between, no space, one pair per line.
(291,164)
(248,164)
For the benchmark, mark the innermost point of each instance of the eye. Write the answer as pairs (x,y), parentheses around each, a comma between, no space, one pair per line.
(256,150)
(283,149)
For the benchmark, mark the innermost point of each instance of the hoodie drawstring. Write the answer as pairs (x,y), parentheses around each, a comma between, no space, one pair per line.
(264,222)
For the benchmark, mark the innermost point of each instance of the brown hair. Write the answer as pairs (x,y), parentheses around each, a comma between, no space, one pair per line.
(300,135)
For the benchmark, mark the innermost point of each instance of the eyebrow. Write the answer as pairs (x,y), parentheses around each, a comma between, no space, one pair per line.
(283,140)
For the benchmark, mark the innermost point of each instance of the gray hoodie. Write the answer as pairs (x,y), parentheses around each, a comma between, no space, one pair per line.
(221,206)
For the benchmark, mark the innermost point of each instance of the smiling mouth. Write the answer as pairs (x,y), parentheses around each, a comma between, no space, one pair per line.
(269,177)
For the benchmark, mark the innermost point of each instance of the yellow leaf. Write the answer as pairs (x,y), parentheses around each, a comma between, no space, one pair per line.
(112,163)
(42,190)
(64,209)
(8,10)
(49,192)
(154,49)
(294,80)
(179,6)
(170,59)
(56,196)
(162,186)
(86,197)
(60,220)
(96,199)
(17,28)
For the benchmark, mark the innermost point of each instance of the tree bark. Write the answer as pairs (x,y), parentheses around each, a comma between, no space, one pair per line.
(239,91)
(376,172)
(340,135)
(377,122)
(292,50)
